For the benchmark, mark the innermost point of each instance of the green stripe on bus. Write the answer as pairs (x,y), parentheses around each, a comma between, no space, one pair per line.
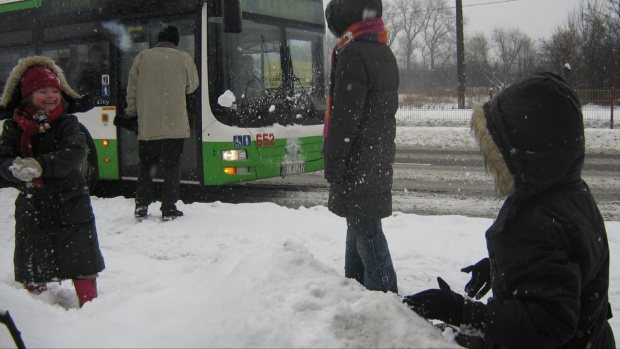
(20,5)
(262,162)
(107,169)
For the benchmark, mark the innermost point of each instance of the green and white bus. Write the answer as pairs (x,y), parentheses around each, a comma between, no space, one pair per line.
(272,128)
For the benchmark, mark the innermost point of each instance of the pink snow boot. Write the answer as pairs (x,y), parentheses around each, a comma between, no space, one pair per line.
(86,289)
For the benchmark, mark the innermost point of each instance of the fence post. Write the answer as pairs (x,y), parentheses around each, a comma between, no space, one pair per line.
(613,98)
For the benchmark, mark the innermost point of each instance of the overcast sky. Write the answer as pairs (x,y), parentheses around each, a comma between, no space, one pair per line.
(537,18)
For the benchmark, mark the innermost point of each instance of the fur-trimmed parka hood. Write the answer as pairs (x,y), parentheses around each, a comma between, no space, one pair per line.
(531,135)
(11,97)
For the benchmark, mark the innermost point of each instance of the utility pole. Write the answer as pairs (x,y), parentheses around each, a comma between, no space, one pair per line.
(460,54)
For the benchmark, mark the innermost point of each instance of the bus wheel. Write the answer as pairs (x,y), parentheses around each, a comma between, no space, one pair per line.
(89,164)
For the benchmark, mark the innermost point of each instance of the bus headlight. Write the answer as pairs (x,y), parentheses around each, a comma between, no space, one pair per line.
(233,155)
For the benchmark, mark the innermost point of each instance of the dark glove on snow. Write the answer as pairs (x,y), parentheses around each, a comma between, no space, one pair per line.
(480,282)
(440,304)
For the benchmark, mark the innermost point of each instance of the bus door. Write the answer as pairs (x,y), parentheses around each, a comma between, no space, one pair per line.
(87,66)
(141,36)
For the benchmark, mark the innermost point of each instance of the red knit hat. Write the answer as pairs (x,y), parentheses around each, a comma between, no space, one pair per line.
(38,77)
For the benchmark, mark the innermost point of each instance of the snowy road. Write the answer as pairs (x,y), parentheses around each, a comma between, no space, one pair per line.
(431,182)
(459,174)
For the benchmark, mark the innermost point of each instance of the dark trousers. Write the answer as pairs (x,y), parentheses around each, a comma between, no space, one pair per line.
(167,152)
(367,257)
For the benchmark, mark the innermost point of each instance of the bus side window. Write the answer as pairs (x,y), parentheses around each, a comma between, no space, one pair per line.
(92,70)
(85,65)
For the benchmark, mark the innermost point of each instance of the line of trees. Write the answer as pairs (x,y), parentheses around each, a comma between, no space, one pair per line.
(588,46)
(422,33)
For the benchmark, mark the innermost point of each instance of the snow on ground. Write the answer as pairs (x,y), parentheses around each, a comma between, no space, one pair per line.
(255,275)
(451,130)
(597,139)
(247,275)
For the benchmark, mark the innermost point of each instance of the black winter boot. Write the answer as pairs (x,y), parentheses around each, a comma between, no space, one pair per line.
(170,214)
(141,212)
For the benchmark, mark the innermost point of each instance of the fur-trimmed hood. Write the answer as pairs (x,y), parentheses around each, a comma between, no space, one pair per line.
(531,135)
(493,160)
(11,98)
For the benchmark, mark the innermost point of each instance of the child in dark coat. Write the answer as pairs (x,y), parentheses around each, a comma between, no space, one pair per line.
(41,150)
(359,131)
(548,263)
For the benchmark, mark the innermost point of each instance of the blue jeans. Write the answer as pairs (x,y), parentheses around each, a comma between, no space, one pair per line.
(367,257)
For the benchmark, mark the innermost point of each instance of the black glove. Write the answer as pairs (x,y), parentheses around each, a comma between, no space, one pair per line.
(82,104)
(440,304)
(480,282)
(129,122)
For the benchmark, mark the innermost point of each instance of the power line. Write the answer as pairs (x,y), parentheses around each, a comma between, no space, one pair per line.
(490,3)
(481,4)
(470,5)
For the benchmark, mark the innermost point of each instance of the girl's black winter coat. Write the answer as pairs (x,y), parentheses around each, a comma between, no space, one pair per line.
(548,246)
(55,235)
(550,263)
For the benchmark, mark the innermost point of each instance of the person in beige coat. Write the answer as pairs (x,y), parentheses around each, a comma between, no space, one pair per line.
(159,80)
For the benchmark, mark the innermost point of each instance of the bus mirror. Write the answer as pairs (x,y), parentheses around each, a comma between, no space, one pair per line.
(231,16)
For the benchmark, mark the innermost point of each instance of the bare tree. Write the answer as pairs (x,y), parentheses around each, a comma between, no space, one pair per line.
(593,31)
(408,16)
(526,62)
(481,72)
(613,22)
(562,49)
(391,21)
(589,42)
(509,45)
(438,31)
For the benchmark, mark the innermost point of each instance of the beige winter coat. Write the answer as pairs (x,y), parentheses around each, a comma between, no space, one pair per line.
(159,80)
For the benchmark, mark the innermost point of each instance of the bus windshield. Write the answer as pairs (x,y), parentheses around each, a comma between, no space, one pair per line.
(274,71)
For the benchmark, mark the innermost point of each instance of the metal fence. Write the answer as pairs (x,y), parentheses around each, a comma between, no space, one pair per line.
(598,106)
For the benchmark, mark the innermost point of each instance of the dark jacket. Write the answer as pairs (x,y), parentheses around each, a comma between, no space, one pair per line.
(548,247)
(55,232)
(359,150)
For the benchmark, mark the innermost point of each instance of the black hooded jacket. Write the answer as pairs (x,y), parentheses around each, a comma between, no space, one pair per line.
(548,246)
(359,150)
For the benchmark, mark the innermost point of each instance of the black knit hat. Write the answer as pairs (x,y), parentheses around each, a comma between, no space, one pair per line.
(341,14)
(169,34)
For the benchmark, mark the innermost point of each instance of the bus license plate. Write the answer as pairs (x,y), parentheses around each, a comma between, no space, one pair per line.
(293,168)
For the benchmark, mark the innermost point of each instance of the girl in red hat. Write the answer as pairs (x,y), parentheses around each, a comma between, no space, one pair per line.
(41,150)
